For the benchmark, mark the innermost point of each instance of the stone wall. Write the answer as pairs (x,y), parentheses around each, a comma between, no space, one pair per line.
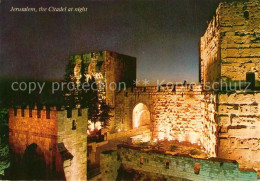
(239,121)
(181,167)
(209,127)
(177,115)
(183,114)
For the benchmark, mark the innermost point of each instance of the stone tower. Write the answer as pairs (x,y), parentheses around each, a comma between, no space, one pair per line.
(112,69)
(230,54)
(229,49)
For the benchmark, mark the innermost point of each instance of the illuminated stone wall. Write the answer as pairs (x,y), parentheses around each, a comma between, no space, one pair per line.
(239,121)
(48,130)
(25,130)
(230,47)
(210,62)
(209,128)
(184,114)
(180,167)
(240,40)
(74,139)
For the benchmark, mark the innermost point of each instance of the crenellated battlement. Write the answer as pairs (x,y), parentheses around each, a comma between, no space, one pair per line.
(43,112)
(174,89)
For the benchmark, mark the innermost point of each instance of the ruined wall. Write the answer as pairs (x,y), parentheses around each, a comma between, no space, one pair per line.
(239,121)
(240,40)
(72,132)
(182,114)
(181,167)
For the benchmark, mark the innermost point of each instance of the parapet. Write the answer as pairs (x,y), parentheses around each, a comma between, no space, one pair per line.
(43,112)
(176,89)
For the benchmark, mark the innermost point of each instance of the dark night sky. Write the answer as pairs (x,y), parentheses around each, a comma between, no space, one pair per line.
(162,35)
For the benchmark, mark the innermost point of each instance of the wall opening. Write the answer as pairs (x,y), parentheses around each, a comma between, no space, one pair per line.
(196,168)
(250,80)
(79,112)
(74,126)
(141,115)
(38,113)
(30,113)
(22,112)
(141,160)
(167,164)
(246,14)
(69,113)
(48,114)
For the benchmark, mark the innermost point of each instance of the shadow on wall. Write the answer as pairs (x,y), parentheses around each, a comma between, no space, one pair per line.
(33,163)
(29,166)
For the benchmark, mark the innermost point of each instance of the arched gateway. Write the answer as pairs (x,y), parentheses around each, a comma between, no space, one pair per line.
(141,115)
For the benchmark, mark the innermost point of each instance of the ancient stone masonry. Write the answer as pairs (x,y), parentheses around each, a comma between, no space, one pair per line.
(239,121)
(230,47)
(230,52)
(59,136)
(109,165)
(175,167)
(210,64)
(209,130)
(240,40)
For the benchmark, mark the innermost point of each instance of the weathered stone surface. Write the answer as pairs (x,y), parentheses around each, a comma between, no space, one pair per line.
(239,120)
(230,46)
(109,165)
(181,167)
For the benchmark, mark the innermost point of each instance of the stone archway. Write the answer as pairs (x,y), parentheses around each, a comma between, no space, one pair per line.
(141,115)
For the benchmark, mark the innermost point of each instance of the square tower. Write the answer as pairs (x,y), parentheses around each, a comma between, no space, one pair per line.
(113,70)
(229,49)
